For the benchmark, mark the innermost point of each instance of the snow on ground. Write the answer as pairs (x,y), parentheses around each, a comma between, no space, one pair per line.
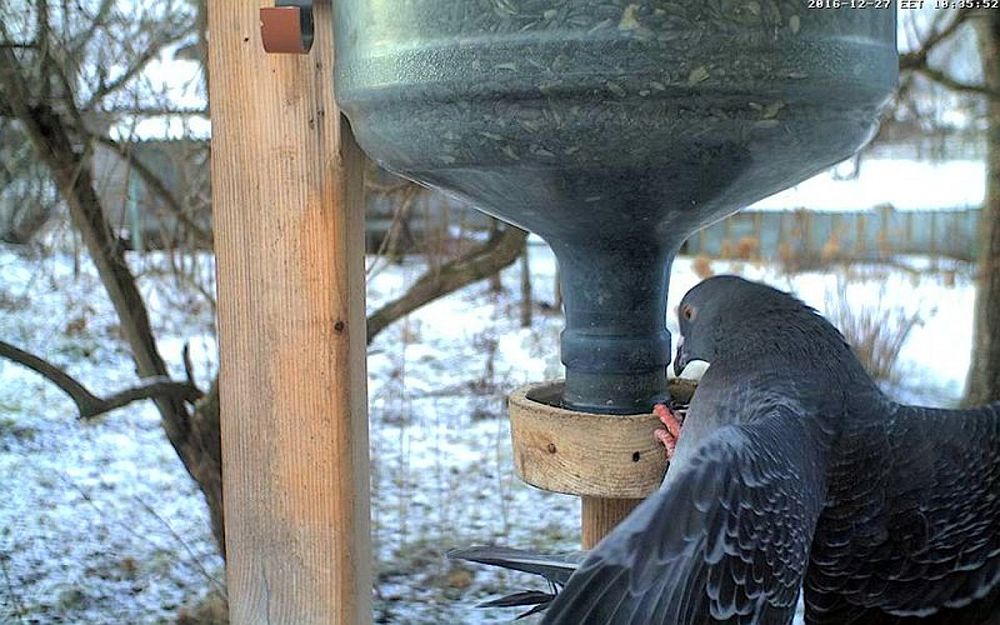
(99,523)
(904,184)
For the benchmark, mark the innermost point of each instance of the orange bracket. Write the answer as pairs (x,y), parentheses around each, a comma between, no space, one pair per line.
(287,27)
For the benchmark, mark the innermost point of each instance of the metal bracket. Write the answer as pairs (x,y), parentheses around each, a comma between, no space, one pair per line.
(287,27)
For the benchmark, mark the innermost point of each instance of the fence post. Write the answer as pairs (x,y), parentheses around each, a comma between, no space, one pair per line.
(289,236)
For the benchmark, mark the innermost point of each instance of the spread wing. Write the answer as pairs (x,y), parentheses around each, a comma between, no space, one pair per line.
(911,532)
(726,539)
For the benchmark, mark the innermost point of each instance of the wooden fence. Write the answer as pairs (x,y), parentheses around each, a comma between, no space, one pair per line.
(860,235)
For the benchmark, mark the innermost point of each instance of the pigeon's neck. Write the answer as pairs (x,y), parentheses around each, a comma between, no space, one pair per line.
(799,345)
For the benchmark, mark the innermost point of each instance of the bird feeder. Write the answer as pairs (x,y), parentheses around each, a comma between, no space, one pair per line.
(614,130)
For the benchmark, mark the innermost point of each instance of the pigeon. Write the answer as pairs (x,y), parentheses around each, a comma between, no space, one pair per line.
(794,473)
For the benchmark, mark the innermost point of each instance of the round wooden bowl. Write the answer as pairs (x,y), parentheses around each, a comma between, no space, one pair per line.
(579,453)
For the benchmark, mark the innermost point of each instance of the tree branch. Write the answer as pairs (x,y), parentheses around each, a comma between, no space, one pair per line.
(91,405)
(917,61)
(150,110)
(151,388)
(499,251)
(157,186)
(188,365)
(943,79)
(138,64)
(77,392)
(918,58)
(79,43)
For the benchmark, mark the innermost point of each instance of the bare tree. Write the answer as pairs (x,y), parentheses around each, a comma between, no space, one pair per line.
(67,72)
(54,77)
(984,374)
(920,64)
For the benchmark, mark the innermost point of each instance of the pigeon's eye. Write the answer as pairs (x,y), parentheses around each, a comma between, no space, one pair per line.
(688,312)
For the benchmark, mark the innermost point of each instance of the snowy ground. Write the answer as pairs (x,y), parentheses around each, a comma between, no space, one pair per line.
(99,524)
(903,184)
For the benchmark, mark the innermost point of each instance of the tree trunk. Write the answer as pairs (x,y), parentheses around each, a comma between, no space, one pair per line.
(984,374)
(193,434)
(496,285)
(527,303)
(557,302)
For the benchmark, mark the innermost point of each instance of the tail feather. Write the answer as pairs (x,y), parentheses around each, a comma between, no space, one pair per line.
(556,569)
(539,602)
(519,599)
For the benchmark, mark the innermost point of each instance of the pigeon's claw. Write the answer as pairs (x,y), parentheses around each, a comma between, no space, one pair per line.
(668,441)
(667,437)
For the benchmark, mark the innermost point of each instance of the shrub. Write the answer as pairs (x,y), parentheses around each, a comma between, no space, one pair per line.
(876,330)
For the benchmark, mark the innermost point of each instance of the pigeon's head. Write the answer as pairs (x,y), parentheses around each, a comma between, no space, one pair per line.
(714,313)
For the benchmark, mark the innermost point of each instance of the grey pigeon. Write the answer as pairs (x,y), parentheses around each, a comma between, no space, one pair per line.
(794,471)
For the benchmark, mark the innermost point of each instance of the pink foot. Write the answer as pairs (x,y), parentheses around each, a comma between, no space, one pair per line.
(667,437)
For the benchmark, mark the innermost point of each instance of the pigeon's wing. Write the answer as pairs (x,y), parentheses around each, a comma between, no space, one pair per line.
(911,530)
(726,539)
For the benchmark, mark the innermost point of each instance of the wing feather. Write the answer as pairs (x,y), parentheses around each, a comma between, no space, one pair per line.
(918,538)
(726,540)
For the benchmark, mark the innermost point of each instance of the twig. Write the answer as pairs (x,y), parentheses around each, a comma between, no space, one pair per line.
(918,58)
(79,43)
(87,403)
(157,186)
(943,79)
(399,215)
(219,586)
(135,68)
(917,61)
(15,600)
(502,249)
(141,536)
(387,189)
(188,365)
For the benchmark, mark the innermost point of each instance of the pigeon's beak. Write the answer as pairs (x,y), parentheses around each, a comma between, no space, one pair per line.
(680,357)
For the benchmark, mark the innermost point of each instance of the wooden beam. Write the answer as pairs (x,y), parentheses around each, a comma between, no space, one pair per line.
(286,178)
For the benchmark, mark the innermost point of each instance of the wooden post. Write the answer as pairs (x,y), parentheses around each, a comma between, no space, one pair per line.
(600,515)
(286,180)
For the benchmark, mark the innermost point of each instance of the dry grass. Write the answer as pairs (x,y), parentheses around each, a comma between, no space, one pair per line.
(748,248)
(702,267)
(745,248)
(876,330)
(212,610)
(831,249)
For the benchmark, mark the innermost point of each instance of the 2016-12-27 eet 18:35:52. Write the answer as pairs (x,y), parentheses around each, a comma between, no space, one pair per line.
(903,5)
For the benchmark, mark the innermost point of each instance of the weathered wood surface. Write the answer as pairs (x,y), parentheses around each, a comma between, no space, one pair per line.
(289,239)
(612,461)
(600,515)
(580,453)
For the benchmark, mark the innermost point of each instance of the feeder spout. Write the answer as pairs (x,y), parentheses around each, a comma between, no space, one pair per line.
(616,346)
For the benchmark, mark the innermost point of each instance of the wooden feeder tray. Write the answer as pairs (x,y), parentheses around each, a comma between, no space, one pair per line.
(580,453)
